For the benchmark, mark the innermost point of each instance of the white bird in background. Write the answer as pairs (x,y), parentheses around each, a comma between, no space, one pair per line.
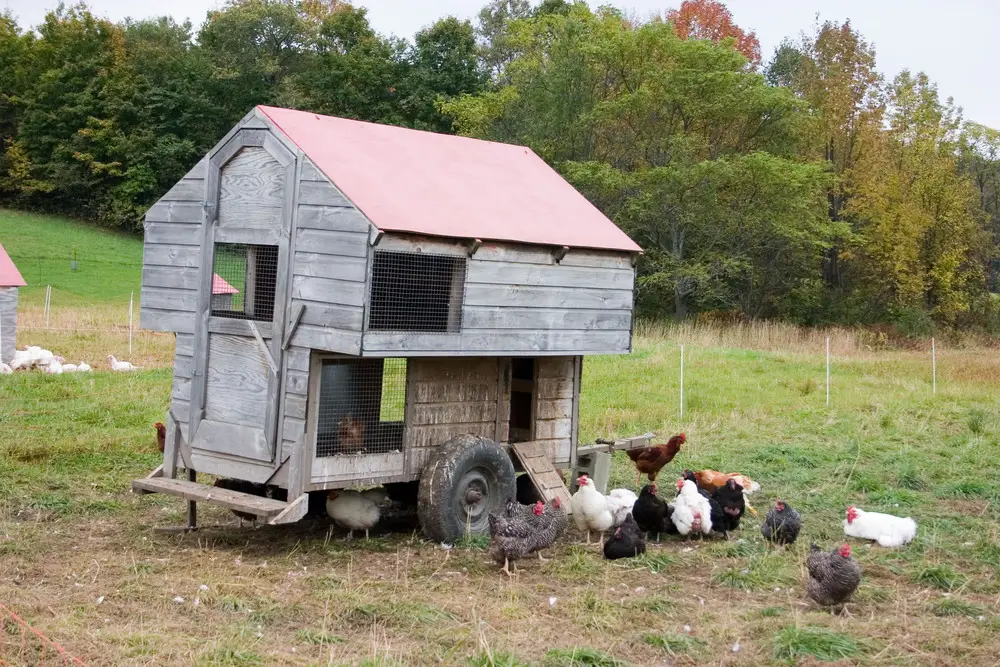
(53,368)
(5,369)
(83,367)
(21,360)
(119,365)
(69,368)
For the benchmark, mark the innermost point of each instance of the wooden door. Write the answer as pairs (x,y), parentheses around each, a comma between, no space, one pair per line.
(242,298)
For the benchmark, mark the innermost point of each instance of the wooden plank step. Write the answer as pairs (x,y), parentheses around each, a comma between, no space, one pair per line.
(548,482)
(202,493)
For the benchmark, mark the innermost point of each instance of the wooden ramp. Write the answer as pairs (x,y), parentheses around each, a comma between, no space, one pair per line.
(536,462)
(202,493)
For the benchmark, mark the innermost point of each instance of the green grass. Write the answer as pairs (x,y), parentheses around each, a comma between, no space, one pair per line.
(580,657)
(109,264)
(793,643)
(673,643)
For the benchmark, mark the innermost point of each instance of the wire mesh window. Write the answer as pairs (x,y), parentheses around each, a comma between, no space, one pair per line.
(361,404)
(416,292)
(243,281)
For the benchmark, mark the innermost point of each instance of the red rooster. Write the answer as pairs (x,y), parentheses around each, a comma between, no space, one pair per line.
(650,460)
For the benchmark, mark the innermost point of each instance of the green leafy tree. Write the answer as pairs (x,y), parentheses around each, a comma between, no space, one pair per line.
(688,151)
(443,65)
(356,73)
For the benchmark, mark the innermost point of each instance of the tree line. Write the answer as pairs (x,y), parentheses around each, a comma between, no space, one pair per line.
(806,187)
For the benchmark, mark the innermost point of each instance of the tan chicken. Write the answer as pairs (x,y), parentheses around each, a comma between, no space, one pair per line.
(351,435)
(713,480)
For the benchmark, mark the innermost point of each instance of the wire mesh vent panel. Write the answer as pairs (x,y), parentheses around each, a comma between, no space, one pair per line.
(414,291)
(243,281)
(360,407)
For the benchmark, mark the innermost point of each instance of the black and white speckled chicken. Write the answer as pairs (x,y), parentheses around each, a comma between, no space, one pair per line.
(549,525)
(833,576)
(512,534)
(782,524)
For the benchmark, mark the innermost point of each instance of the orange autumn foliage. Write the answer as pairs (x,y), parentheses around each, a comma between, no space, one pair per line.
(710,19)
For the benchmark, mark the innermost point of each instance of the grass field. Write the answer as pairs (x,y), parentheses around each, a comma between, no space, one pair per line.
(109,264)
(79,561)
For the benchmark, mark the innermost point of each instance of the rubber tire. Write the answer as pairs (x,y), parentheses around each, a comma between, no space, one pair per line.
(444,482)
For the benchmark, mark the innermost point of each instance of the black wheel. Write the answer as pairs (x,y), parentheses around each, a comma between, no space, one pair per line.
(468,477)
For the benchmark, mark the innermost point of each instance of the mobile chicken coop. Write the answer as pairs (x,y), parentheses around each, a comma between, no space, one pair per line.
(402,306)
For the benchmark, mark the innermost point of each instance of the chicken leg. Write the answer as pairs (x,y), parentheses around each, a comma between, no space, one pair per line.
(506,568)
(541,558)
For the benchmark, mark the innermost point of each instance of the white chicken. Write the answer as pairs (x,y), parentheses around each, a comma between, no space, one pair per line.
(692,513)
(886,529)
(30,357)
(5,369)
(83,367)
(352,510)
(620,503)
(53,368)
(119,365)
(590,509)
(21,360)
(69,368)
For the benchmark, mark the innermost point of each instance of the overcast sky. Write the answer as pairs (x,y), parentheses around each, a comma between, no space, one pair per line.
(947,40)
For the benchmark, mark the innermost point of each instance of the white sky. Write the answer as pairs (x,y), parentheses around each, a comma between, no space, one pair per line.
(950,41)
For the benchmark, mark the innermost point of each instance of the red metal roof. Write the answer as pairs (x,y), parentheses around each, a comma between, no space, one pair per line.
(9,275)
(220,286)
(440,185)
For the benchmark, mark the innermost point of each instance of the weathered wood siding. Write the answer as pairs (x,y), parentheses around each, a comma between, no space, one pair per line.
(554,392)
(330,263)
(520,301)
(171,255)
(180,393)
(8,323)
(295,397)
(445,398)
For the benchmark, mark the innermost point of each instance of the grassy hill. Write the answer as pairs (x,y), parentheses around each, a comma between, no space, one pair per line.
(109,264)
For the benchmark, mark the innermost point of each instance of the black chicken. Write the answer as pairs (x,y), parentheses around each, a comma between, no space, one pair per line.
(782,524)
(626,541)
(650,510)
(669,527)
(833,576)
(243,486)
(728,507)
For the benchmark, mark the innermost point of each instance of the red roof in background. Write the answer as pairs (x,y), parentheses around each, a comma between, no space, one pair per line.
(440,185)
(220,286)
(9,275)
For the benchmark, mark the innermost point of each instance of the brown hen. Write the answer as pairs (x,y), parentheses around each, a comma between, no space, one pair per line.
(650,460)
(161,435)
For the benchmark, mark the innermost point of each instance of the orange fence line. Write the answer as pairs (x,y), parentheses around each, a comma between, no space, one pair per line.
(25,626)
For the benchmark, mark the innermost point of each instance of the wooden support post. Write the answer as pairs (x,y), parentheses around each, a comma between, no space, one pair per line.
(172,446)
(192,523)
